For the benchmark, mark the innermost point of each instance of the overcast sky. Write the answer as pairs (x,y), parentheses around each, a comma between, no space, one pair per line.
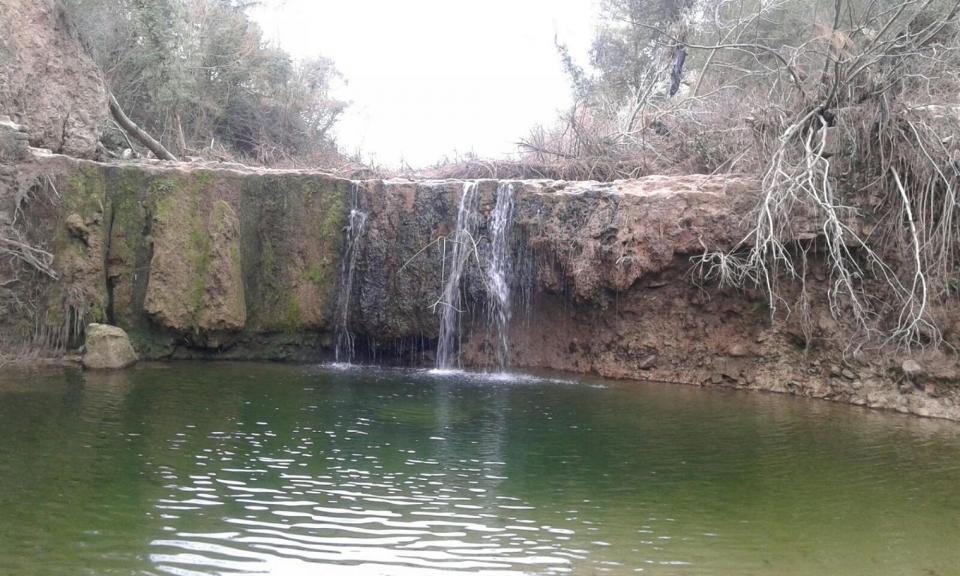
(427,78)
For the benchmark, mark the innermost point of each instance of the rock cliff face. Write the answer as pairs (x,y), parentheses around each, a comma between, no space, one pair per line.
(232,262)
(47,81)
(188,261)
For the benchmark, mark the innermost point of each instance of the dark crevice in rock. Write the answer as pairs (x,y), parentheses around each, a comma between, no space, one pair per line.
(143,259)
(109,279)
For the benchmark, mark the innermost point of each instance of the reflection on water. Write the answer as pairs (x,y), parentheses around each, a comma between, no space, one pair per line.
(262,469)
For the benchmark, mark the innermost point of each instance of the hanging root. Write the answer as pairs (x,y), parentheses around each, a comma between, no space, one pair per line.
(885,268)
(14,246)
(13,243)
(25,267)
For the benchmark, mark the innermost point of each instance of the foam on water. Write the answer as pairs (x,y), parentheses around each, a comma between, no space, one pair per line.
(495,377)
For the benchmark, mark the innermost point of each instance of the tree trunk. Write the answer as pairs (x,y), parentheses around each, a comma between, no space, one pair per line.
(138,133)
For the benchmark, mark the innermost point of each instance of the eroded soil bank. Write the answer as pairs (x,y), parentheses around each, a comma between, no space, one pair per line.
(231,262)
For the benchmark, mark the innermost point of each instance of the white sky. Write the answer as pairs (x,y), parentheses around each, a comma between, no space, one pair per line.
(429,78)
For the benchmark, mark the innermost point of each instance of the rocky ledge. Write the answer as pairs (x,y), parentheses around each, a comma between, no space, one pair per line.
(231,262)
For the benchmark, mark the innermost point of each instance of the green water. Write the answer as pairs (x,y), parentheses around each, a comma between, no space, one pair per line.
(266,469)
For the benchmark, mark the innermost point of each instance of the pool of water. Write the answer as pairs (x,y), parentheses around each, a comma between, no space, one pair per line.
(215,468)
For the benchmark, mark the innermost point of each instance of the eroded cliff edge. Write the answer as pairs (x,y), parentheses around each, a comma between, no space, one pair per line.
(232,262)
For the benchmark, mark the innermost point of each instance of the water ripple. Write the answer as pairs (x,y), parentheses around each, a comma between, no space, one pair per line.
(223,469)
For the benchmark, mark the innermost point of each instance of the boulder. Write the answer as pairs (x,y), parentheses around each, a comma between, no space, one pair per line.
(107,348)
(912,369)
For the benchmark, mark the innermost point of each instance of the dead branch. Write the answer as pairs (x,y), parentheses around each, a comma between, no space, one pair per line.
(138,133)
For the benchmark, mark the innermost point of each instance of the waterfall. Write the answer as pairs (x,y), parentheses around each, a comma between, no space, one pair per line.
(463,245)
(354,235)
(499,269)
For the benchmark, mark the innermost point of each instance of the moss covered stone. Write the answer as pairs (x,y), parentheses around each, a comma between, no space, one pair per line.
(196,283)
(292,239)
(205,257)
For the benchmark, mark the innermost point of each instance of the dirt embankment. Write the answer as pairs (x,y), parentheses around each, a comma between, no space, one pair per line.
(48,82)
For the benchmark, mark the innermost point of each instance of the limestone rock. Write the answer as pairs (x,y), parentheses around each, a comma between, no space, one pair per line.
(606,236)
(47,80)
(912,369)
(107,348)
(647,362)
(738,350)
(14,141)
(831,142)
(196,283)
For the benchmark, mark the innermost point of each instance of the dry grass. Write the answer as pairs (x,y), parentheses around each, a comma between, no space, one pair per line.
(527,169)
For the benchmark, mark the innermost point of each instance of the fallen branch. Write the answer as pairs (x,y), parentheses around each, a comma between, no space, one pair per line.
(138,133)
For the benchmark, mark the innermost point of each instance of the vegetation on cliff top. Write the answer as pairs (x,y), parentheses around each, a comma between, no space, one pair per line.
(198,76)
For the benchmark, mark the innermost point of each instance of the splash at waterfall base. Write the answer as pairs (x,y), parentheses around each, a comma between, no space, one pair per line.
(230,262)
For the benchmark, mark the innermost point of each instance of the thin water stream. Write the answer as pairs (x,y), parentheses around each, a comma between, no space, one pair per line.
(500,270)
(202,469)
(462,245)
(353,234)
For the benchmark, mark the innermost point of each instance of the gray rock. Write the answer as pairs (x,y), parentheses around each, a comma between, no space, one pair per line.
(912,369)
(14,145)
(738,350)
(107,348)
(647,362)
(831,142)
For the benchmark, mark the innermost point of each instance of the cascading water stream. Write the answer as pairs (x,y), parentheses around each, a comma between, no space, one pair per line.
(354,235)
(499,270)
(463,245)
